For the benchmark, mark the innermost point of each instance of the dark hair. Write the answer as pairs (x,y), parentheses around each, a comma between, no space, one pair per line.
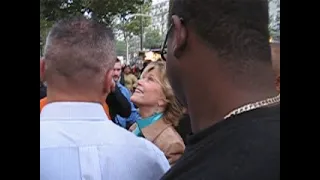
(80,50)
(126,66)
(145,64)
(235,29)
(118,60)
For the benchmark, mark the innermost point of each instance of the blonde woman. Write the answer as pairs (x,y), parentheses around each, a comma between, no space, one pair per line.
(160,111)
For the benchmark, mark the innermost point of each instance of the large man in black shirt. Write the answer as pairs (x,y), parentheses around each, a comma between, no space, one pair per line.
(219,64)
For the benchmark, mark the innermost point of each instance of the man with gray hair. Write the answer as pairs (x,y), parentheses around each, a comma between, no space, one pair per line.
(77,140)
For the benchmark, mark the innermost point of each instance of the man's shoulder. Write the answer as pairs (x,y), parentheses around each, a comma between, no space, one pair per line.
(148,148)
(148,153)
(143,150)
(107,134)
(117,147)
(247,146)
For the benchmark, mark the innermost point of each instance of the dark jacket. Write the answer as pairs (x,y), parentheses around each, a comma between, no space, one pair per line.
(43,91)
(118,104)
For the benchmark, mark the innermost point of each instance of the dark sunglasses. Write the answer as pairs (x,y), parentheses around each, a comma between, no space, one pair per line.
(164,45)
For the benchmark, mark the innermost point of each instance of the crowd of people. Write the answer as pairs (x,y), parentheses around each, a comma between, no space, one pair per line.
(208,109)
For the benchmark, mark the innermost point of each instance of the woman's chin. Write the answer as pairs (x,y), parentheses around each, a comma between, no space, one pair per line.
(136,99)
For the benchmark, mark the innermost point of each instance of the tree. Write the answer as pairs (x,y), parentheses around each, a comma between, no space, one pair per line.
(121,48)
(152,38)
(132,25)
(44,28)
(101,10)
(274,19)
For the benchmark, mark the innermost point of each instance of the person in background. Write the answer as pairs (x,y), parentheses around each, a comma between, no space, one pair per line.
(124,121)
(121,80)
(130,80)
(118,104)
(219,65)
(77,139)
(160,111)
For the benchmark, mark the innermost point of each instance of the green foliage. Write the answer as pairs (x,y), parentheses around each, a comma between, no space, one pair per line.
(274,19)
(44,28)
(121,48)
(130,25)
(101,10)
(152,38)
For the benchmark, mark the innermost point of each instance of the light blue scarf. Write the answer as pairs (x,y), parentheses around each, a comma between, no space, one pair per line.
(142,123)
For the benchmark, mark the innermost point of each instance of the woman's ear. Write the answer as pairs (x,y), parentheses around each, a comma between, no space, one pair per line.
(162,103)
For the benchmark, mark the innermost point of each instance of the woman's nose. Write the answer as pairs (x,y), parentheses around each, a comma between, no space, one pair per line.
(140,82)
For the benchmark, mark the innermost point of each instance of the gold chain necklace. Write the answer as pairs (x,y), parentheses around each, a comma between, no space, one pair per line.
(252,106)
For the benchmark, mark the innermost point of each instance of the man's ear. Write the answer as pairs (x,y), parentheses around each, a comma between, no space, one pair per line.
(179,36)
(108,84)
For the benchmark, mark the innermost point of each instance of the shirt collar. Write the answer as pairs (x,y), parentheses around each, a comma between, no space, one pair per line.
(73,111)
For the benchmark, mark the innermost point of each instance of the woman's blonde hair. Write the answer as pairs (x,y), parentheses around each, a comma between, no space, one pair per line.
(174,110)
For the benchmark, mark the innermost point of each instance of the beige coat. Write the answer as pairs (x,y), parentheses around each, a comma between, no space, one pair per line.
(164,136)
(130,81)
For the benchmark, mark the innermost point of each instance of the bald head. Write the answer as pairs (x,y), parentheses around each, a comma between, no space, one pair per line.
(79,53)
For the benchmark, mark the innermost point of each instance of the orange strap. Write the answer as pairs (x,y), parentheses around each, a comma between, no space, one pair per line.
(43,102)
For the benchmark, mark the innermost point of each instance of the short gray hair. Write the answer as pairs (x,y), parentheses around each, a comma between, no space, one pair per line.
(80,51)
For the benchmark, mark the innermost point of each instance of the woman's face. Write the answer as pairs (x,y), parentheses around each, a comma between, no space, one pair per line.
(149,91)
(126,70)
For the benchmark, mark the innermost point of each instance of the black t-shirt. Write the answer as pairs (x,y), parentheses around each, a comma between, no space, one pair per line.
(184,127)
(242,147)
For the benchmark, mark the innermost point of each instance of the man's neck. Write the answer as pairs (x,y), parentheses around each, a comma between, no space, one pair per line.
(54,96)
(205,112)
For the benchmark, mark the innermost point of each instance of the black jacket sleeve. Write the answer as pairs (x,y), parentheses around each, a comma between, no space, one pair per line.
(118,104)
(43,92)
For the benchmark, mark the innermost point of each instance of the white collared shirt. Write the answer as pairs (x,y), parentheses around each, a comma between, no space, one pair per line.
(79,142)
